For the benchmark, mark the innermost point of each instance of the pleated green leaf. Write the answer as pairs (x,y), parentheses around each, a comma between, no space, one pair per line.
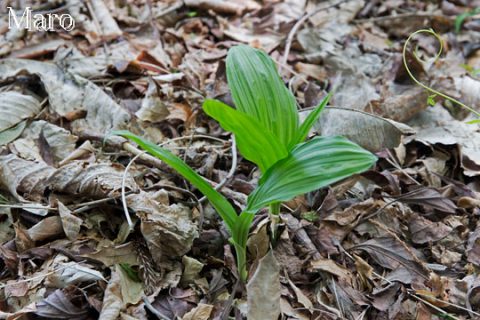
(258,91)
(309,122)
(311,165)
(254,142)
(218,201)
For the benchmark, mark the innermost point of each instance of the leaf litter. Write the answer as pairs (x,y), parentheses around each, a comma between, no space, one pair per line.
(401,241)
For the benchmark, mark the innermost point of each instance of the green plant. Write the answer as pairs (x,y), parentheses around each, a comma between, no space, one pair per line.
(433,92)
(268,133)
(460,19)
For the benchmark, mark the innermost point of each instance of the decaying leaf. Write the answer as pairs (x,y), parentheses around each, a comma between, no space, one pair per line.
(71,224)
(390,253)
(168,230)
(58,306)
(264,290)
(15,107)
(368,130)
(67,94)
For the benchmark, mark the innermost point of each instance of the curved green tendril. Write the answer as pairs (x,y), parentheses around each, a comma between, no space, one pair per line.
(437,56)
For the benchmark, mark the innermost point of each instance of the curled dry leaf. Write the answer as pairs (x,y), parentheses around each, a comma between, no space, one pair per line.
(58,306)
(425,231)
(263,290)
(70,223)
(68,93)
(168,230)
(23,178)
(200,312)
(60,141)
(98,180)
(15,107)
(67,273)
(153,109)
(331,267)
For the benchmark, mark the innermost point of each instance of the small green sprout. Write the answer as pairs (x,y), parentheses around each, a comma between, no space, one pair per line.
(268,133)
(460,19)
(429,89)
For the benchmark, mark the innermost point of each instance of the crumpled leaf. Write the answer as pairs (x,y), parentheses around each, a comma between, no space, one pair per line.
(192,268)
(24,179)
(263,290)
(69,94)
(424,230)
(70,223)
(428,197)
(390,253)
(437,126)
(370,131)
(201,312)
(99,180)
(58,306)
(168,230)
(111,255)
(60,141)
(153,109)
(71,273)
(15,107)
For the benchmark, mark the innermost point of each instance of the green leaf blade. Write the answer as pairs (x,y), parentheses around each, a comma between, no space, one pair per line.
(258,91)
(310,121)
(311,165)
(254,142)
(223,207)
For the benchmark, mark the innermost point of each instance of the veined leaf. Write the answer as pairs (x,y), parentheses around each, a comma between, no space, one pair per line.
(254,142)
(311,165)
(223,207)
(258,91)
(309,122)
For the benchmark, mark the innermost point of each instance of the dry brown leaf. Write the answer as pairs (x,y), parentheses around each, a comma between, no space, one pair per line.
(424,230)
(263,290)
(201,312)
(331,267)
(70,223)
(168,230)
(15,107)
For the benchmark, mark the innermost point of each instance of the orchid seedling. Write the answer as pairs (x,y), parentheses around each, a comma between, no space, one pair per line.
(268,133)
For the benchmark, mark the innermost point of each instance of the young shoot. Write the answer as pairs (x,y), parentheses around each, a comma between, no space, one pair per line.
(433,92)
(269,134)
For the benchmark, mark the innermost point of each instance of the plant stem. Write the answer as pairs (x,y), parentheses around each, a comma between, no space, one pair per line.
(274,219)
(404,54)
(241,253)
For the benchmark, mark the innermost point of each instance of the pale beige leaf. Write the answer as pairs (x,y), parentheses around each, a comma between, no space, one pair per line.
(15,107)
(201,312)
(71,224)
(369,131)
(113,302)
(131,291)
(263,290)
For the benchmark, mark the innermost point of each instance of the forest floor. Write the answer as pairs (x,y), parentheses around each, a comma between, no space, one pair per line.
(400,241)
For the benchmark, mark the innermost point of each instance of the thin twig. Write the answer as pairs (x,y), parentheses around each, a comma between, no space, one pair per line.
(124,198)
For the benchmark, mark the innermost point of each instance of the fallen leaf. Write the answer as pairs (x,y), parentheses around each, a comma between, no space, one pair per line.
(377,133)
(263,290)
(70,223)
(201,312)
